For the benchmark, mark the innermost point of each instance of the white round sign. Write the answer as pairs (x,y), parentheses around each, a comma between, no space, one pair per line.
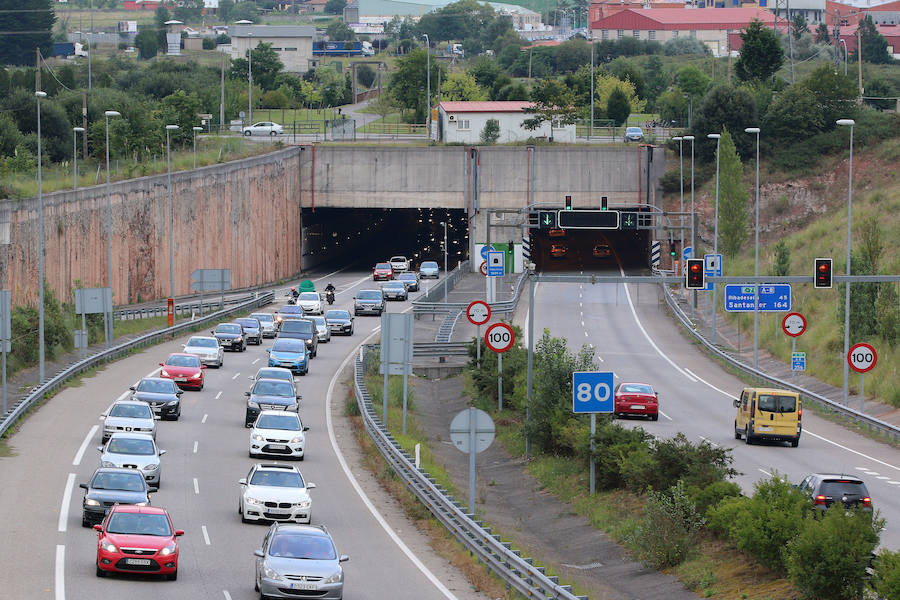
(461,428)
(499,337)
(862,358)
(793,324)
(478,312)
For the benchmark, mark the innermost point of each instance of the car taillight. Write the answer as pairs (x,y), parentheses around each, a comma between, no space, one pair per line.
(820,500)
(867,501)
(799,413)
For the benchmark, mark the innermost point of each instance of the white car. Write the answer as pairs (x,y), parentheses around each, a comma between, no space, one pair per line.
(278,433)
(322,328)
(129,415)
(275,492)
(263,128)
(399,263)
(207,349)
(310,302)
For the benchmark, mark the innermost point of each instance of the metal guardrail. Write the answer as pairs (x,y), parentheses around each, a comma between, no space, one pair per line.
(185,308)
(441,349)
(437,292)
(40,391)
(856,417)
(427,303)
(520,573)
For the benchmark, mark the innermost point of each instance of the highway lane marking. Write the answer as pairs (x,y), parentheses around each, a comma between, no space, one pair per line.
(235,376)
(708,441)
(205,534)
(203,420)
(219,395)
(197,488)
(196,443)
(87,440)
(227,595)
(664,414)
(882,477)
(66,501)
(255,361)
(892,482)
(59,573)
(764,472)
(365,499)
(586,334)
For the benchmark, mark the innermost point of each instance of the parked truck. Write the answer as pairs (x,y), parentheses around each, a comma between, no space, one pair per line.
(343,49)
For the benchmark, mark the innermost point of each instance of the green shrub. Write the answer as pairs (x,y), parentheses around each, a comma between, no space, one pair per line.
(612,445)
(665,536)
(712,495)
(209,43)
(827,560)
(887,574)
(722,517)
(677,459)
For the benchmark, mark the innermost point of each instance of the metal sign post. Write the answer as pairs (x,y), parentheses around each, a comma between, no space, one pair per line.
(478,313)
(396,354)
(499,337)
(592,393)
(5,335)
(472,431)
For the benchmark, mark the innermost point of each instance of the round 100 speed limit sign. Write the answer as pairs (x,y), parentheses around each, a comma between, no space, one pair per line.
(862,358)
(499,337)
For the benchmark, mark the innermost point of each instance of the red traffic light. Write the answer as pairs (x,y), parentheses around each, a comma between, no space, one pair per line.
(695,276)
(823,273)
(695,268)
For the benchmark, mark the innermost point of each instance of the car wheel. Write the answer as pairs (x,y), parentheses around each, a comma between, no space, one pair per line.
(247,133)
(85,522)
(737,434)
(173,575)
(100,572)
(654,417)
(795,443)
(747,436)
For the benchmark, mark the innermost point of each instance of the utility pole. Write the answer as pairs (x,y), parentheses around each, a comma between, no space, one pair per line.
(37,69)
(859,59)
(222,98)
(84,125)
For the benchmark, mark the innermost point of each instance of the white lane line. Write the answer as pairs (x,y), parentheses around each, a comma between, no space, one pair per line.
(235,376)
(66,501)
(861,468)
(600,358)
(882,477)
(197,488)
(708,440)
(763,471)
(205,534)
(664,414)
(582,322)
(871,472)
(320,279)
(586,334)
(203,420)
(196,443)
(219,395)
(255,361)
(227,595)
(59,572)
(892,482)
(87,440)
(365,499)
(703,381)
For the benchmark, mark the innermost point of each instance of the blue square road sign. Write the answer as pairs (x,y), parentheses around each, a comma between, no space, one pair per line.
(592,392)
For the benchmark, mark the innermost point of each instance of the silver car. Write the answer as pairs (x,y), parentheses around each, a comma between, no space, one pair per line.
(129,415)
(299,557)
(273,373)
(133,451)
(268,322)
(207,349)
(275,492)
(429,268)
(263,128)
(310,302)
(322,328)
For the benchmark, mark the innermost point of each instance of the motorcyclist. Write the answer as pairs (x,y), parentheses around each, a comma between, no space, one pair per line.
(329,292)
(294,293)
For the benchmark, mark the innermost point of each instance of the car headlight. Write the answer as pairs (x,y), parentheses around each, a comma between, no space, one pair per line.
(170,549)
(252,404)
(297,440)
(198,375)
(271,573)
(91,502)
(258,438)
(106,463)
(304,504)
(109,428)
(238,339)
(151,467)
(293,407)
(109,547)
(164,373)
(251,500)
(172,403)
(334,577)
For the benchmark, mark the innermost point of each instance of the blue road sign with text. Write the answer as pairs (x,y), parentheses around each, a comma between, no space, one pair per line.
(798,361)
(772,298)
(592,392)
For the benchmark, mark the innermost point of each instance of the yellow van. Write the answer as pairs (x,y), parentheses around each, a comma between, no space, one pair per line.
(768,414)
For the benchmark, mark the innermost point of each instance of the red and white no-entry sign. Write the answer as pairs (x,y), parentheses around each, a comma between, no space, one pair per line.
(793,324)
(499,337)
(862,358)
(478,312)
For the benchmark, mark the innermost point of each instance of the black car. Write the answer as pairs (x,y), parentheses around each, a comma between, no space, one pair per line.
(339,321)
(109,486)
(230,336)
(410,279)
(824,489)
(368,302)
(252,329)
(163,395)
(301,329)
(270,394)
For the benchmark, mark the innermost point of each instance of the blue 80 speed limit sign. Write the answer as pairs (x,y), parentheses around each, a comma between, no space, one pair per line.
(592,392)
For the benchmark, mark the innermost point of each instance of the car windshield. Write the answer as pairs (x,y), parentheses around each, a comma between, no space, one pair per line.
(156,386)
(228,328)
(127,482)
(298,326)
(393,285)
(263,317)
(398,259)
(199,342)
(383,266)
(268,387)
(277,479)
(180,360)
(843,487)
(291,308)
(309,296)
(777,403)
(337,314)
(288,345)
(319,321)
(274,374)
(407,276)
(369,295)
(133,411)
(633,130)
(137,446)
(636,388)
(302,546)
(429,264)
(139,524)
(248,323)
(284,422)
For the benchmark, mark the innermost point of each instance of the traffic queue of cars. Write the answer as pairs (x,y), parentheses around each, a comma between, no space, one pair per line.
(399,282)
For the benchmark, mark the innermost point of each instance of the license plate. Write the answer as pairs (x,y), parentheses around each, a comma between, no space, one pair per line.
(181,379)
(637,407)
(137,561)
(277,446)
(762,428)
(304,586)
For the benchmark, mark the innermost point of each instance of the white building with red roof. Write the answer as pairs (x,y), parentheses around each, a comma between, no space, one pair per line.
(463,122)
(711,27)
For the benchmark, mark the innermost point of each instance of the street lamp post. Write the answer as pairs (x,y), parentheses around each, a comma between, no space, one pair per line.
(690,138)
(591,126)
(75,132)
(108,316)
(40,95)
(850,123)
(250,80)
(844,44)
(196,129)
(718,138)
(680,141)
(170,128)
(756,259)
(445,262)
(428,84)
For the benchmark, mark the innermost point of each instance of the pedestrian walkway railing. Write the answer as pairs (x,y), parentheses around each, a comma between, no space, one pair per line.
(498,556)
(181,309)
(45,388)
(762,378)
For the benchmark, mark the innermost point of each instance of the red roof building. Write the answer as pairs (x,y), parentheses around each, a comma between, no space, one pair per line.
(141,4)
(844,13)
(712,27)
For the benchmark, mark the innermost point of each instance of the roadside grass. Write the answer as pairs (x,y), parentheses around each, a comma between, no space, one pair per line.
(392,124)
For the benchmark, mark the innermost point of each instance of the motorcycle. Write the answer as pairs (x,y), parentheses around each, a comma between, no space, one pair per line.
(329,297)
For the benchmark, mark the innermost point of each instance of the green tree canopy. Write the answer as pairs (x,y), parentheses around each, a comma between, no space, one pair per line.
(822,34)
(181,109)
(836,94)
(23,31)
(553,101)
(693,81)
(338,31)
(245,11)
(462,86)
(880,87)
(761,54)
(873,45)
(794,114)
(724,107)
(335,7)
(147,43)
(266,66)
(618,108)
(409,81)
(189,11)
(456,21)
(733,198)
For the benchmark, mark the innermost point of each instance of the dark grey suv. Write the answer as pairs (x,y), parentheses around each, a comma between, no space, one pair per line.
(109,486)
(368,302)
(301,329)
(824,489)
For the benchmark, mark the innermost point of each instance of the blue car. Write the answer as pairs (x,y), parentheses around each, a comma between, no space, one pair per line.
(289,353)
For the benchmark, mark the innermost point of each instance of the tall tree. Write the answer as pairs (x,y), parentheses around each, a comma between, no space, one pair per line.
(693,81)
(159,19)
(761,54)
(724,107)
(799,26)
(835,93)
(554,102)
(23,31)
(822,35)
(733,198)
(873,45)
(618,108)
(409,81)
(266,66)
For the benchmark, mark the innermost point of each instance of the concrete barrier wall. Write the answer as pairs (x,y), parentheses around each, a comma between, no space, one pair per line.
(243,215)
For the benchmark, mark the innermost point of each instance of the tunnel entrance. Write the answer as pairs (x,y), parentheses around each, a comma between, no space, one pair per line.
(589,250)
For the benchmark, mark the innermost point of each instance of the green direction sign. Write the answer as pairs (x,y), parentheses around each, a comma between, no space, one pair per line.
(629,220)
(547,219)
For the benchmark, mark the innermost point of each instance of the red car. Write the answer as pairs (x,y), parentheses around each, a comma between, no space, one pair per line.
(184,369)
(383,271)
(636,399)
(137,539)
